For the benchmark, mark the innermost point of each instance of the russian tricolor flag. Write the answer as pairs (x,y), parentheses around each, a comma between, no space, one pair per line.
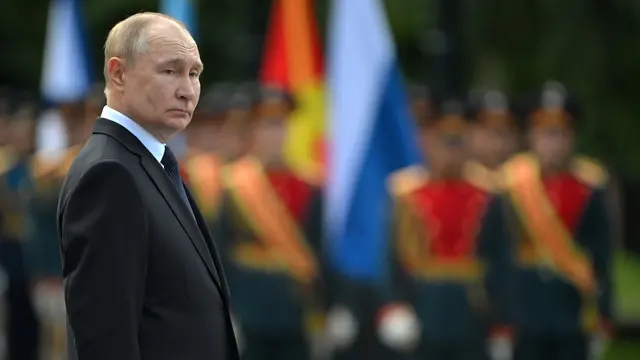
(371,135)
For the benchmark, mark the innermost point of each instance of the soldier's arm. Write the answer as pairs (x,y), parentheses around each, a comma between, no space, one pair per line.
(597,235)
(224,232)
(495,250)
(595,232)
(313,230)
(38,211)
(395,278)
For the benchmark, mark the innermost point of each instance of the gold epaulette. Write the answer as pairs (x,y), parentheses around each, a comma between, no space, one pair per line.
(507,166)
(6,159)
(41,168)
(405,181)
(313,175)
(483,177)
(589,171)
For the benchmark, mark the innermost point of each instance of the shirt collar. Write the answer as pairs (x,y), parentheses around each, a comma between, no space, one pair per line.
(155,147)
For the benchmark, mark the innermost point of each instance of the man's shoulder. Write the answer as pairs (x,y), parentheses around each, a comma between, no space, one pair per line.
(102,155)
(101,149)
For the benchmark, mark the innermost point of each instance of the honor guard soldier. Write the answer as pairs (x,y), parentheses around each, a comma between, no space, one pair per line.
(422,109)
(493,136)
(204,158)
(14,174)
(351,322)
(236,125)
(562,282)
(21,326)
(270,224)
(47,173)
(448,252)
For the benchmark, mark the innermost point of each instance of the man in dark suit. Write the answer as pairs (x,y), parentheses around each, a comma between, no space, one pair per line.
(142,276)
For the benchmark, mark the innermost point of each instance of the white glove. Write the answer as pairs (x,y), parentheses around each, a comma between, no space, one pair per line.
(400,329)
(342,327)
(597,347)
(49,301)
(237,331)
(500,348)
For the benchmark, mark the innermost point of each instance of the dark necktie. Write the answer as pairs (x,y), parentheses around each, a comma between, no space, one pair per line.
(172,169)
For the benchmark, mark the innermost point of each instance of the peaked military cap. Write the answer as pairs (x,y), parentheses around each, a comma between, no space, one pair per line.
(274,103)
(421,104)
(215,103)
(491,108)
(452,115)
(554,106)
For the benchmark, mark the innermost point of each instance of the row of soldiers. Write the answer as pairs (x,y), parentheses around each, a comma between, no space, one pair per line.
(500,249)
(498,244)
(34,321)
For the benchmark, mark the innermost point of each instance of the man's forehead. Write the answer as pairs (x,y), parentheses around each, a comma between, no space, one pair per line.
(173,47)
(169,32)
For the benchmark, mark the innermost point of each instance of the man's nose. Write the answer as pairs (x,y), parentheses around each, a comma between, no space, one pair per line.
(186,89)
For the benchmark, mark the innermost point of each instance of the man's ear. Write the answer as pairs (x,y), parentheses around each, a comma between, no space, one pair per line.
(115,72)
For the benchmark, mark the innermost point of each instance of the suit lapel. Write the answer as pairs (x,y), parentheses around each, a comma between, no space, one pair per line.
(182,213)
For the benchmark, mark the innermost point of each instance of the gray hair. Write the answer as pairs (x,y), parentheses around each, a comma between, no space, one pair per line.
(128,38)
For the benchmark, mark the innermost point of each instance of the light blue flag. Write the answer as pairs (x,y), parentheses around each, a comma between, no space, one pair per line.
(371,135)
(66,71)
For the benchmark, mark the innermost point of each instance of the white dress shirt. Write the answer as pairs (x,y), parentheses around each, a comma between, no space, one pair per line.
(155,147)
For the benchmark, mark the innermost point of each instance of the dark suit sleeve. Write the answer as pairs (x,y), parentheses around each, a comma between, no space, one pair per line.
(104,244)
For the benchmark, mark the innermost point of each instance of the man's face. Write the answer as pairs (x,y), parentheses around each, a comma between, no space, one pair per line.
(161,88)
(268,138)
(489,145)
(449,152)
(22,134)
(552,145)
(206,135)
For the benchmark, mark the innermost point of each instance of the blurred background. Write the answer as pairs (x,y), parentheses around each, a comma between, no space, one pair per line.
(51,71)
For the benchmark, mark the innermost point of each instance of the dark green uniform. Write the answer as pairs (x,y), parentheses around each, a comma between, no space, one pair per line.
(22,326)
(42,206)
(270,304)
(449,257)
(554,316)
(269,233)
(561,293)
(449,263)
(44,251)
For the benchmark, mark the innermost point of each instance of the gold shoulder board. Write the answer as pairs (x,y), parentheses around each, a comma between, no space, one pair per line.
(406,180)
(483,177)
(589,171)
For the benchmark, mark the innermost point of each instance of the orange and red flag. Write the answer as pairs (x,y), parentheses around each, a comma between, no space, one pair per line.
(292,60)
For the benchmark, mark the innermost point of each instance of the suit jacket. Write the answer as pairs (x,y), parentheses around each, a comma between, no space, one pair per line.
(142,277)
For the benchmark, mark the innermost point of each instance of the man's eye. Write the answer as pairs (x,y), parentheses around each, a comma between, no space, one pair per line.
(194,74)
(169,71)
